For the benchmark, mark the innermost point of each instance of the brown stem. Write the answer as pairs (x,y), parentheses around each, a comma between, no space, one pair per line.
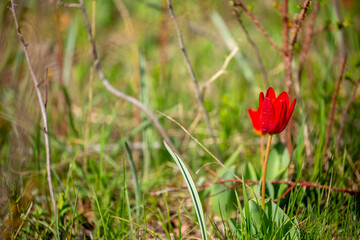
(307,41)
(259,27)
(262,150)
(252,43)
(194,80)
(264,172)
(42,108)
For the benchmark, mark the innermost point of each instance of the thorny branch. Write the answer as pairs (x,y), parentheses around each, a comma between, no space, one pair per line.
(194,80)
(42,107)
(118,93)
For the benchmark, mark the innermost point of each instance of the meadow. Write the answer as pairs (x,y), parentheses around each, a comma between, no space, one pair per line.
(129,119)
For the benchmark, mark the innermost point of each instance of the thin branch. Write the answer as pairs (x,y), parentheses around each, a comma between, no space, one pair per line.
(194,80)
(288,52)
(343,116)
(259,26)
(277,182)
(118,93)
(221,71)
(298,23)
(307,41)
(333,105)
(252,43)
(23,219)
(42,107)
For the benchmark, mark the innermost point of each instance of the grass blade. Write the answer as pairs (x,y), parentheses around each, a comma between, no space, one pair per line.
(192,189)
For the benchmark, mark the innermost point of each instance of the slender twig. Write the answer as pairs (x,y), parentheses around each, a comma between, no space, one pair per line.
(194,80)
(42,107)
(333,105)
(343,116)
(252,43)
(23,219)
(287,58)
(277,182)
(220,72)
(307,41)
(118,93)
(297,77)
(259,27)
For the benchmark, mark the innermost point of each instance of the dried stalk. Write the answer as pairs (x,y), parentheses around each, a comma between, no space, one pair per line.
(42,107)
(118,93)
(194,80)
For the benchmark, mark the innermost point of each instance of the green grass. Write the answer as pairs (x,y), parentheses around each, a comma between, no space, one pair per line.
(112,175)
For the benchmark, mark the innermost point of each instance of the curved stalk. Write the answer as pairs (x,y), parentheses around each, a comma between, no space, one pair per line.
(264,172)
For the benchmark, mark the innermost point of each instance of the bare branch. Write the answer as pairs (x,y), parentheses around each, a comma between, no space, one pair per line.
(220,72)
(118,93)
(252,43)
(260,28)
(194,80)
(42,107)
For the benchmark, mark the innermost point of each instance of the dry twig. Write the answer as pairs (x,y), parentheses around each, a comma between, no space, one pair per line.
(252,43)
(118,93)
(194,80)
(259,27)
(42,107)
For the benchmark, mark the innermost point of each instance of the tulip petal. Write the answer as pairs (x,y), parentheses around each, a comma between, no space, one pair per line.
(270,93)
(280,116)
(261,100)
(255,119)
(289,113)
(267,117)
(283,96)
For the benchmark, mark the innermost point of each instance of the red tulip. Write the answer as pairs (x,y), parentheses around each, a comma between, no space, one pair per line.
(255,116)
(275,112)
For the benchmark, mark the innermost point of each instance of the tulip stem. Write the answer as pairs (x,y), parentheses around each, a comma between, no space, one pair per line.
(264,172)
(262,150)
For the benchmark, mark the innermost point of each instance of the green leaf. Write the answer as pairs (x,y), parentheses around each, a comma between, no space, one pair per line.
(192,189)
(135,179)
(279,161)
(223,201)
